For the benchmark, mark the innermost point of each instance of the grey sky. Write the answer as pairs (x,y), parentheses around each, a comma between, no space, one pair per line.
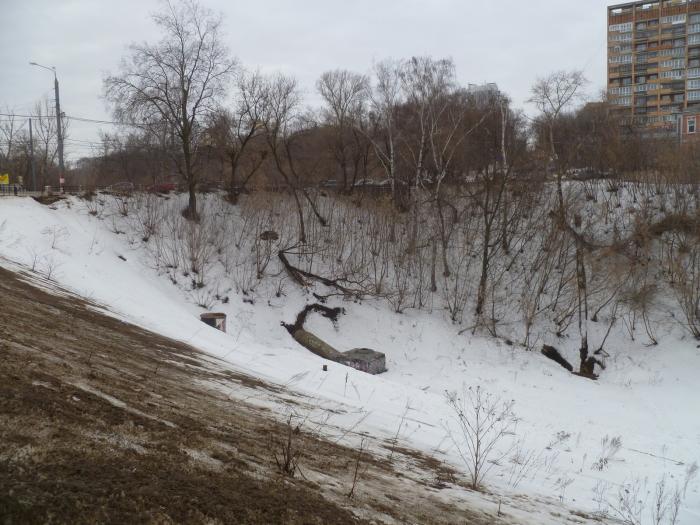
(510,42)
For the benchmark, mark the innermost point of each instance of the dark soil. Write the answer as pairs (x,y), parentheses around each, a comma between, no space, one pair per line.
(104,422)
(71,456)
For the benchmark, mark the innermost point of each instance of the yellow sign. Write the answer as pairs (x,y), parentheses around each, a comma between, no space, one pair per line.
(4,178)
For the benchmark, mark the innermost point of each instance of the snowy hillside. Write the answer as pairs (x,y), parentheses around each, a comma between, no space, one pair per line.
(600,448)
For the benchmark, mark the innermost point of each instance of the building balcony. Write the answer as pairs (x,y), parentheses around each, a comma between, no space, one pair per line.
(679,9)
(649,14)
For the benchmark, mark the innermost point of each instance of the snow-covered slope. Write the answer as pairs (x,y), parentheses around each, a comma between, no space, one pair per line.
(646,399)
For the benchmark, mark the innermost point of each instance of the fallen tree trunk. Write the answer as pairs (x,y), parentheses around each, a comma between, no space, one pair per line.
(363,359)
(316,345)
(553,354)
(330,313)
(299,276)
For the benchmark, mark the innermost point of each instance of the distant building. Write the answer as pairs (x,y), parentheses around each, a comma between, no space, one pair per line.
(483,93)
(654,62)
(689,122)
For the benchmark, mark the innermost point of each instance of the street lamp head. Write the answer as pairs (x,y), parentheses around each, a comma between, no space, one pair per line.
(52,68)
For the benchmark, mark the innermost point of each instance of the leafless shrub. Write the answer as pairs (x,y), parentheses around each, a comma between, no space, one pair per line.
(49,267)
(609,449)
(561,484)
(203,298)
(34,258)
(148,214)
(639,300)
(55,235)
(356,469)
(93,205)
(559,438)
(524,463)
(687,289)
(691,473)
(484,423)
(638,504)
(286,450)
(121,204)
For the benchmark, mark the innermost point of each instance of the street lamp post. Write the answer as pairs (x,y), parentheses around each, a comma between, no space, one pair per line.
(59,129)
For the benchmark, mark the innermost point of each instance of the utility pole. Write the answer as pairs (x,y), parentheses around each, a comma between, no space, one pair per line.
(59,130)
(59,134)
(31,155)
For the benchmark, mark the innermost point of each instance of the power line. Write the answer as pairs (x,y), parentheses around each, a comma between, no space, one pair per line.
(77,119)
(27,116)
(96,121)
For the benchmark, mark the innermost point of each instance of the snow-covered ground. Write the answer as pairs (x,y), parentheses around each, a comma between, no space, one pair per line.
(647,398)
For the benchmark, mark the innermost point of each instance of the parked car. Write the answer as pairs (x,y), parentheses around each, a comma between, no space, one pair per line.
(162,187)
(121,187)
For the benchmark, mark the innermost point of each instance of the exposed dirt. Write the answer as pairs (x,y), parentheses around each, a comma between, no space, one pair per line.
(48,200)
(103,422)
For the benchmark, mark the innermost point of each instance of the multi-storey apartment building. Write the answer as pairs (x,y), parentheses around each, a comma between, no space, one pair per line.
(654,61)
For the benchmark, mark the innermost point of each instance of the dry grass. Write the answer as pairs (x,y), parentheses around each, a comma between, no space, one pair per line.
(103,422)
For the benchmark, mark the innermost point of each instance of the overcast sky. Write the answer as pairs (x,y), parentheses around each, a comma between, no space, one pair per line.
(510,42)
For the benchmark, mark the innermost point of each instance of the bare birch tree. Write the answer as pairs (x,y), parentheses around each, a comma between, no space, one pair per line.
(427,84)
(385,100)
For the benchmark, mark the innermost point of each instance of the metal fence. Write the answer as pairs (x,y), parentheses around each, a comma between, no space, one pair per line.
(12,190)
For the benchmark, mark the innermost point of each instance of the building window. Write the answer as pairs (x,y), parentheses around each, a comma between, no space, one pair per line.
(676,19)
(675,63)
(691,125)
(621,28)
(678,73)
(621,59)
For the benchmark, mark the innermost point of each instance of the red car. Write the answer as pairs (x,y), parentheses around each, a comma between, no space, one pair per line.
(162,187)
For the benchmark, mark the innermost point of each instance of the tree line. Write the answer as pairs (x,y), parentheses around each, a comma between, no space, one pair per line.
(406,186)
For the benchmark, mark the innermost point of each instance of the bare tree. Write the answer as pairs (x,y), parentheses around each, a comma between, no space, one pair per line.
(9,127)
(385,100)
(427,85)
(45,140)
(179,80)
(234,131)
(552,96)
(284,124)
(345,94)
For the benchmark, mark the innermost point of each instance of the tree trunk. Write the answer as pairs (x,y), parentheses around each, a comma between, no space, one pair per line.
(190,178)
(582,308)
(300,212)
(191,213)
(433,264)
(446,272)
(232,190)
